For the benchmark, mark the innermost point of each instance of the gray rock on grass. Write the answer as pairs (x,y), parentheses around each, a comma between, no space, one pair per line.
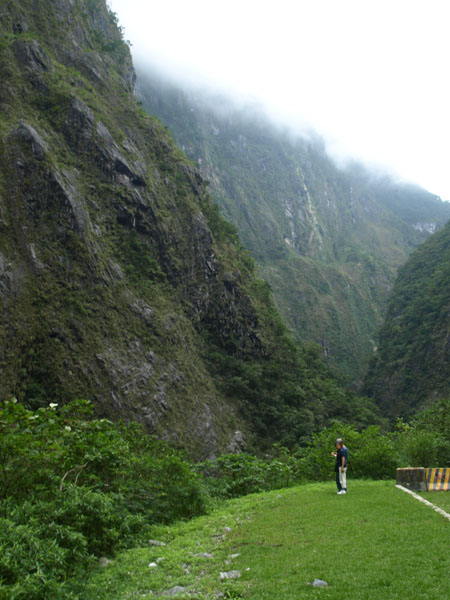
(104,562)
(229,575)
(178,589)
(156,543)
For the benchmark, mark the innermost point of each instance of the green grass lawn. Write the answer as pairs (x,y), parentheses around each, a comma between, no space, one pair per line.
(441,499)
(375,542)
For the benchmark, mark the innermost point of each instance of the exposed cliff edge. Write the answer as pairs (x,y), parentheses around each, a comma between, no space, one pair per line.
(119,280)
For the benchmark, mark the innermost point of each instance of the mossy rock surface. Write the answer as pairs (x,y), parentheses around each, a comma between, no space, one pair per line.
(120,281)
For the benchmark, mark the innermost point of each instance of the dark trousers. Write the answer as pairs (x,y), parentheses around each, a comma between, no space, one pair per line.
(338,483)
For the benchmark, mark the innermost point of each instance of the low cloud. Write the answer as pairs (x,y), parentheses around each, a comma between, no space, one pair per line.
(367,76)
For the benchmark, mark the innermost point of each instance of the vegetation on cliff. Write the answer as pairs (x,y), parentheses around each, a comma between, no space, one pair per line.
(328,241)
(120,281)
(412,365)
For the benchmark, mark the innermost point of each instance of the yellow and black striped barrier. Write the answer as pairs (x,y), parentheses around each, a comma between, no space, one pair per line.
(438,480)
(424,480)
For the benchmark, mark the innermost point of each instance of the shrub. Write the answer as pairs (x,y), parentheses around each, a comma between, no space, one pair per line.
(233,475)
(375,456)
(31,565)
(50,450)
(164,489)
(425,442)
(370,453)
(316,462)
(74,487)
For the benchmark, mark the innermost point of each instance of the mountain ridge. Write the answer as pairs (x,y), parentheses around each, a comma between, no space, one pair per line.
(328,241)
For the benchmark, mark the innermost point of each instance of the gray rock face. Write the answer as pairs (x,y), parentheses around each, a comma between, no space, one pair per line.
(27,134)
(71,201)
(428,227)
(30,54)
(20,26)
(141,308)
(110,277)
(57,194)
(104,562)
(6,276)
(84,134)
(237,443)
(79,126)
(130,373)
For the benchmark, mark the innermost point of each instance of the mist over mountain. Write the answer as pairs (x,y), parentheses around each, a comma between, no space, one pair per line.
(328,240)
(366,75)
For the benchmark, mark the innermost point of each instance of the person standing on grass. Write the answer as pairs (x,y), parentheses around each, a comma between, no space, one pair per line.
(341,466)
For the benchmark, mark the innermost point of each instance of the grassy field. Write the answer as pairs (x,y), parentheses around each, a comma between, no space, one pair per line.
(441,499)
(375,542)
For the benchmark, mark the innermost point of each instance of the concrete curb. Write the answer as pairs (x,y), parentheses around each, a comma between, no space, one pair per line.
(417,497)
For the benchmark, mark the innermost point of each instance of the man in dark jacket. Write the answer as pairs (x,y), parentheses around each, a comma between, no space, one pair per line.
(341,455)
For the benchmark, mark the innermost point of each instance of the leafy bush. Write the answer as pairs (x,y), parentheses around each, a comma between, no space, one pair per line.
(233,475)
(375,456)
(370,453)
(31,565)
(425,442)
(74,487)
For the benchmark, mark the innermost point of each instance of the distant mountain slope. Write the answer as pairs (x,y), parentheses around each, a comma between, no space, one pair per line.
(119,280)
(412,365)
(328,242)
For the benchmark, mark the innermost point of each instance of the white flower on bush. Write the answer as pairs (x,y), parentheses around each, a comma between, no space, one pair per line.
(52,405)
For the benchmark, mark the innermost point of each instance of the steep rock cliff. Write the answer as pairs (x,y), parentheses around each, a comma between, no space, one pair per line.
(119,280)
(328,241)
(108,267)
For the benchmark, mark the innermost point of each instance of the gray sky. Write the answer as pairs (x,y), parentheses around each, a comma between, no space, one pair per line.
(371,76)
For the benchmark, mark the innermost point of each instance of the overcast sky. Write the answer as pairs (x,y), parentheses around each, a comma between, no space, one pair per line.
(371,76)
